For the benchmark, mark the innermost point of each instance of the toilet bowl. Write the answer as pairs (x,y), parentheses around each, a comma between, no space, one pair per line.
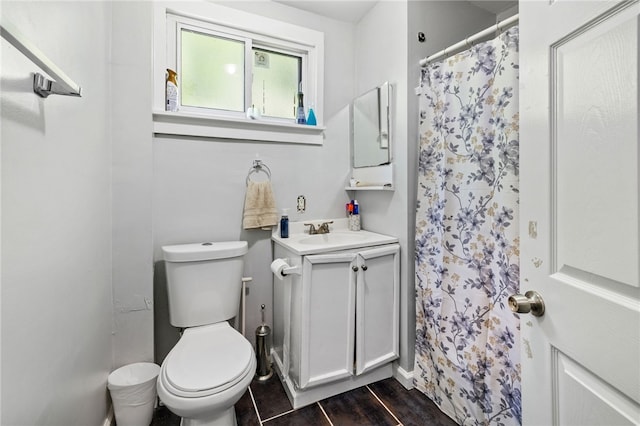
(211,366)
(205,374)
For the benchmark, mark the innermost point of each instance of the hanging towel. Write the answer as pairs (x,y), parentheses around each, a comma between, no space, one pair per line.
(259,206)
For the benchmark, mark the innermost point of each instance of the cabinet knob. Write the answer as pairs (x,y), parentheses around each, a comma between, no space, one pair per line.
(364,267)
(354,268)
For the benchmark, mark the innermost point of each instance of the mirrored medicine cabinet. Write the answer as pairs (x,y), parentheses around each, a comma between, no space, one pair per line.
(371,140)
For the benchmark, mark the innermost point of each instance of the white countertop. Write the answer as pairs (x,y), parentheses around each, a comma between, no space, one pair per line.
(339,238)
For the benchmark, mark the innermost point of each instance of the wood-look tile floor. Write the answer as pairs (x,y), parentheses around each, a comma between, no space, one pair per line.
(382,403)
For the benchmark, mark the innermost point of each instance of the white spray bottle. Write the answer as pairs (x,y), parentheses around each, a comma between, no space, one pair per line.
(171,102)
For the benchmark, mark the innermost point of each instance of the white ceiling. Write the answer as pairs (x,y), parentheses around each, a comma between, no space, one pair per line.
(354,10)
(349,11)
(494,6)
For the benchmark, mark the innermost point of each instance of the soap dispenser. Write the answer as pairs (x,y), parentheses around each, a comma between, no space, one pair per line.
(284,224)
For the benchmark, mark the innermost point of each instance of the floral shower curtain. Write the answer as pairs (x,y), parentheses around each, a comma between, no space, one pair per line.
(467,255)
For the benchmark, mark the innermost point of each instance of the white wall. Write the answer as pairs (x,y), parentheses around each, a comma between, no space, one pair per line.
(381,55)
(199,184)
(132,140)
(56,220)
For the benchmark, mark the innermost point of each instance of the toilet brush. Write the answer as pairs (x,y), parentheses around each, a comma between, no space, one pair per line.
(263,333)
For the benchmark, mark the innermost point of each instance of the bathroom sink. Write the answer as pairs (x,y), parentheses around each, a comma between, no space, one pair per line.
(336,238)
(340,238)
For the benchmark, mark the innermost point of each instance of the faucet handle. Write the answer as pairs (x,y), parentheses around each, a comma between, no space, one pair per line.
(312,228)
(324,227)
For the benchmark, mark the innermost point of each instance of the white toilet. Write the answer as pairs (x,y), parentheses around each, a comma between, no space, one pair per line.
(212,364)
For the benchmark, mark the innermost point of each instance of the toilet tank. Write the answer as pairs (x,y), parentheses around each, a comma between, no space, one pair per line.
(204,281)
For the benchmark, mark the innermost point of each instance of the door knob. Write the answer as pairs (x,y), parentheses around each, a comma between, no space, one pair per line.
(530,302)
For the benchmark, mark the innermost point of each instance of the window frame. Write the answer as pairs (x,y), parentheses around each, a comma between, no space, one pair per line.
(263,33)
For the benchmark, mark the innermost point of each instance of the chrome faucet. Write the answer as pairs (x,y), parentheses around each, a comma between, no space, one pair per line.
(323,228)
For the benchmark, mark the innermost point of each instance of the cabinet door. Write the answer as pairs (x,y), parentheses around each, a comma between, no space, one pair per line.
(328,303)
(377,307)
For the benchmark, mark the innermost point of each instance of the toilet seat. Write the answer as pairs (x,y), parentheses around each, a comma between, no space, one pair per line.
(207,360)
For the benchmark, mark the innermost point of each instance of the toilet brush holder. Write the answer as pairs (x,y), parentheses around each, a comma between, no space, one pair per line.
(263,334)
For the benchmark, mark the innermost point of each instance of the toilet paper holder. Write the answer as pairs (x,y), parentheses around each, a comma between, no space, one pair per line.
(291,270)
(281,268)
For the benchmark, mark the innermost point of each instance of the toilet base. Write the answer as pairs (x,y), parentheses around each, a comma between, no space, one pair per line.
(226,418)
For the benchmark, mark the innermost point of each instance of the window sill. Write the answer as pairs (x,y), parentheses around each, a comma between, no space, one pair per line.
(189,124)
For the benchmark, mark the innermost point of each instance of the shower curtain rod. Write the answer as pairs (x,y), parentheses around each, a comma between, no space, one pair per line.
(468,42)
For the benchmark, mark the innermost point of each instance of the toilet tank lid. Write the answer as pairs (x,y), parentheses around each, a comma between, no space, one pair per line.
(204,251)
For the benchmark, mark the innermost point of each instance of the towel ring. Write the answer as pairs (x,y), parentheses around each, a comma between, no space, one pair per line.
(259,166)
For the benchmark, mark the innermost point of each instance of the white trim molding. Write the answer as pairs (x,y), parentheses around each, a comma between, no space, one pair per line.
(188,124)
(403,376)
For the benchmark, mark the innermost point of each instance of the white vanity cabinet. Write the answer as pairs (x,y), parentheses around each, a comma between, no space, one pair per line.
(349,313)
(336,323)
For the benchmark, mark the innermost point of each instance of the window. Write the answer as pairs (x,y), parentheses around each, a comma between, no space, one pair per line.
(225,70)
(276,77)
(211,71)
(229,60)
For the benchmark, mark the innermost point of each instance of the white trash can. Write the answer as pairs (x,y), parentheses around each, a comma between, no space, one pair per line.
(133,392)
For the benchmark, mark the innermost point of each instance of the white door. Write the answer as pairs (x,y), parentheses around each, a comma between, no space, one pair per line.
(579,211)
(377,307)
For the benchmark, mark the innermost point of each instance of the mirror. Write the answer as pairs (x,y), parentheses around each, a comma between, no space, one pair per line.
(371,124)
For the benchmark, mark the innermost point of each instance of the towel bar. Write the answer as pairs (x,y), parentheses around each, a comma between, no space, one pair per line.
(258,166)
(61,83)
